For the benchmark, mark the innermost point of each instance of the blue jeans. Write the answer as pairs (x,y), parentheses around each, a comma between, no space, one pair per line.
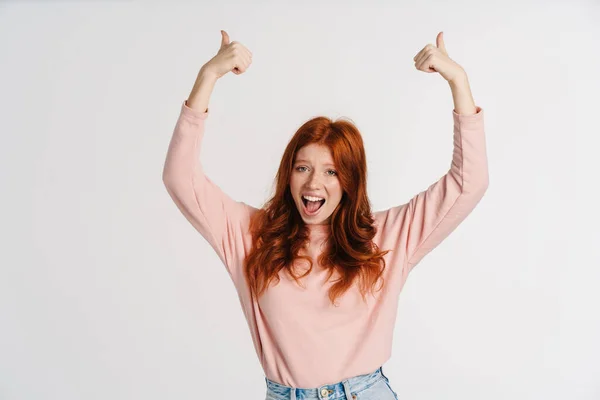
(373,386)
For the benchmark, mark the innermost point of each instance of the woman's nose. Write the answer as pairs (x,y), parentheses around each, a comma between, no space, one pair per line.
(313,181)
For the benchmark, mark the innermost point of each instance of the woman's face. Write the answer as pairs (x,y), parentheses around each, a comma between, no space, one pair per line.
(314,175)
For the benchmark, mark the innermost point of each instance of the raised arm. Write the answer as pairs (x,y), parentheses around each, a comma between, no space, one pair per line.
(418,226)
(434,213)
(221,220)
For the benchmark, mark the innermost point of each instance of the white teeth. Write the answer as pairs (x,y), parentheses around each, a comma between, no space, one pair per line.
(310,198)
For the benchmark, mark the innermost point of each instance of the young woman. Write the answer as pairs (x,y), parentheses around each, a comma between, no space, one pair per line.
(317,273)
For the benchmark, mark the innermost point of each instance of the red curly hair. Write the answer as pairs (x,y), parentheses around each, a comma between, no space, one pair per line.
(279,233)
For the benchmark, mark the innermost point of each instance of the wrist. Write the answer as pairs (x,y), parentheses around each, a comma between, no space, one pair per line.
(207,73)
(459,80)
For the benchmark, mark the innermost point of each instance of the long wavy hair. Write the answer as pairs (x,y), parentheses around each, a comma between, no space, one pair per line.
(279,233)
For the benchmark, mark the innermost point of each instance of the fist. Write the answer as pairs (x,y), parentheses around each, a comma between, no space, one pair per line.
(435,59)
(232,56)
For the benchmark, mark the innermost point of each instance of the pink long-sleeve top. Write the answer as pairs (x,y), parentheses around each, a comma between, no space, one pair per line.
(301,339)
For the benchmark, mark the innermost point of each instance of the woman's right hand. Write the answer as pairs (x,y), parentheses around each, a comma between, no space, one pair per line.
(232,56)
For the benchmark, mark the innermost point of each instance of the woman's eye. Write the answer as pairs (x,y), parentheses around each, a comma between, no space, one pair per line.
(330,172)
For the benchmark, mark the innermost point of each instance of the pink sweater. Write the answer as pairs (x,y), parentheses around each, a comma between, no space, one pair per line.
(301,339)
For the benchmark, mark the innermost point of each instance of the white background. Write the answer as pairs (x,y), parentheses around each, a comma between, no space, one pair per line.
(107,292)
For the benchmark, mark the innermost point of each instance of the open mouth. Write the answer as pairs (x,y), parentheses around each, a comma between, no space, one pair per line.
(312,207)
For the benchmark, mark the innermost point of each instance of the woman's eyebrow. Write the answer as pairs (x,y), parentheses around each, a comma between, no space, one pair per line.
(306,161)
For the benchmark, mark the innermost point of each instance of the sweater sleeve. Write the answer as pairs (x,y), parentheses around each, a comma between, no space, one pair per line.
(221,220)
(418,226)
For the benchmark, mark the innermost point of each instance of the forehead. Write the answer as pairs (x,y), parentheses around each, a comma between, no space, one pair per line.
(314,153)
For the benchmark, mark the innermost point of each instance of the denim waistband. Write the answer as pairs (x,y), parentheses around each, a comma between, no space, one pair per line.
(342,389)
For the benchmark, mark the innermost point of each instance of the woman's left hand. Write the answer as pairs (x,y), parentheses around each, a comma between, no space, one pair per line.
(435,59)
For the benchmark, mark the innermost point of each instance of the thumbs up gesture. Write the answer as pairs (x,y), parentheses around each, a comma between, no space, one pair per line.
(435,59)
(232,56)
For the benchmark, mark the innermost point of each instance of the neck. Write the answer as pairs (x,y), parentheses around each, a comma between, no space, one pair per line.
(318,229)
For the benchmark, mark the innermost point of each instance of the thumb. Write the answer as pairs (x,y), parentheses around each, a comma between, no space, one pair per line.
(224,38)
(439,41)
